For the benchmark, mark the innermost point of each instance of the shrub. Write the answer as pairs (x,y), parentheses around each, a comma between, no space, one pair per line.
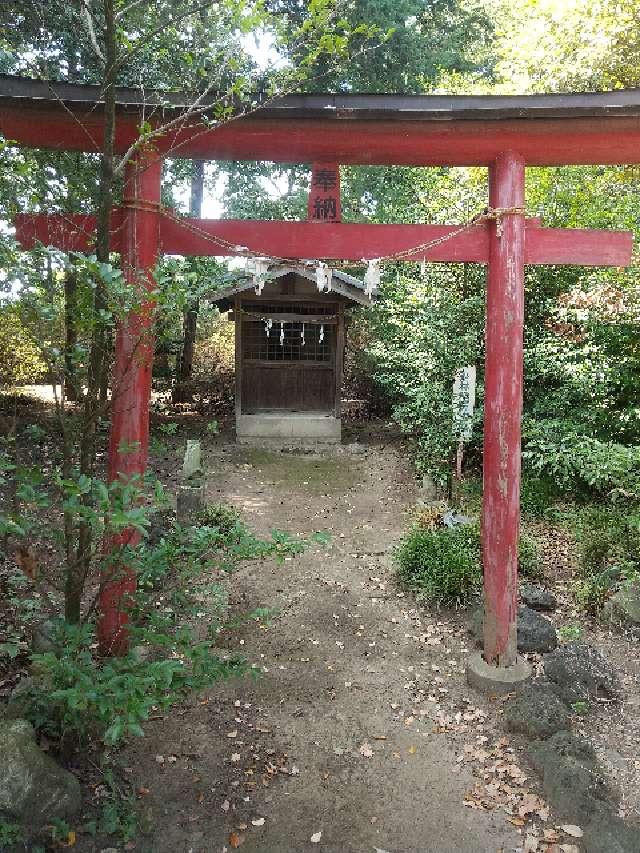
(528,560)
(444,565)
(537,495)
(77,698)
(609,543)
(555,449)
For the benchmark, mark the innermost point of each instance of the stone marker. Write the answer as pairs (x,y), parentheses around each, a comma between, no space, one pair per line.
(33,788)
(190,497)
(192,465)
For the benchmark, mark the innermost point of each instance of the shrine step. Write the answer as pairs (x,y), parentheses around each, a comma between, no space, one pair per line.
(293,427)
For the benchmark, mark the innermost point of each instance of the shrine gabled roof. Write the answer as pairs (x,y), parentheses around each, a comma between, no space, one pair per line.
(344,285)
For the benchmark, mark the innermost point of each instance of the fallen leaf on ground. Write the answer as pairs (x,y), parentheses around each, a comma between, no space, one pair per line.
(259,821)
(315,838)
(530,805)
(235,840)
(572,830)
(366,751)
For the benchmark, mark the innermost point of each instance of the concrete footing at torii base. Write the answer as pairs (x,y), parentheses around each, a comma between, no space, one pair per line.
(498,680)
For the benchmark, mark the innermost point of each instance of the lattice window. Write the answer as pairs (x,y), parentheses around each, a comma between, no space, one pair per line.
(256,344)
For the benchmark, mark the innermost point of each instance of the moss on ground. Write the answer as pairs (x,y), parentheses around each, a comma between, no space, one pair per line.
(310,473)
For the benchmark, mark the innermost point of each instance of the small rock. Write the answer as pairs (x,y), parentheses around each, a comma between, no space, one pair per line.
(536,712)
(581,673)
(476,625)
(572,779)
(33,788)
(43,637)
(608,833)
(455,519)
(538,597)
(623,608)
(535,632)
(20,700)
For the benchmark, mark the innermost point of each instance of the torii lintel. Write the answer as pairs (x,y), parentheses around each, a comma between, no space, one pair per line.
(328,241)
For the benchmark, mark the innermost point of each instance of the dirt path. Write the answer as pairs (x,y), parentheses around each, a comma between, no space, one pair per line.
(345,734)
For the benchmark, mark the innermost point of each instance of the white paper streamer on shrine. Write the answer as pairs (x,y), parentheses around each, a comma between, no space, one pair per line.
(302,341)
(321,338)
(281,334)
(268,325)
(259,267)
(324,276)
(371,277)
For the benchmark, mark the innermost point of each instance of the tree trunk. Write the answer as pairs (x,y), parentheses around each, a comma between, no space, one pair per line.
(185,360)
(71,387)
(78,569)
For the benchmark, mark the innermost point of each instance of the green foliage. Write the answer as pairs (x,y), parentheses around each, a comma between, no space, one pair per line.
(423,332)
(537,495)
(581,707)
(441,565)
(609,544)
(444,565)
(528,559)
(570,633)
(223,516)
(76,697)
(573,460)
(119,809)
(19,353)
(10,833)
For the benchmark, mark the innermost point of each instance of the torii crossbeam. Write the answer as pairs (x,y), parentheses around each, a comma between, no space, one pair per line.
(502,133)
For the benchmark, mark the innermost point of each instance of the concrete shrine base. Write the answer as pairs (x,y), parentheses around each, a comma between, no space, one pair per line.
(496,679)
(288,427)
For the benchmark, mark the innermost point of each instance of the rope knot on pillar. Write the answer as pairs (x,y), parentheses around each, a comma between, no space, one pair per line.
(498,214)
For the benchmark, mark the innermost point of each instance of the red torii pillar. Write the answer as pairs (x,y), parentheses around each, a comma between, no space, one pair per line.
(504,330)
(131,384)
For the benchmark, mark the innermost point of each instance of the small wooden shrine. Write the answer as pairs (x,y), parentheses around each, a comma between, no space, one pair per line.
(289,352)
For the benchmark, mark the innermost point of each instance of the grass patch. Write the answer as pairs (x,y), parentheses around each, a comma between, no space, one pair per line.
(444,566)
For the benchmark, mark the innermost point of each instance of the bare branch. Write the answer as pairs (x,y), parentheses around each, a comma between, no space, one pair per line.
(87,20)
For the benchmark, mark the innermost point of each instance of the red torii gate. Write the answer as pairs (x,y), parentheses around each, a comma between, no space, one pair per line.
(503,133)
